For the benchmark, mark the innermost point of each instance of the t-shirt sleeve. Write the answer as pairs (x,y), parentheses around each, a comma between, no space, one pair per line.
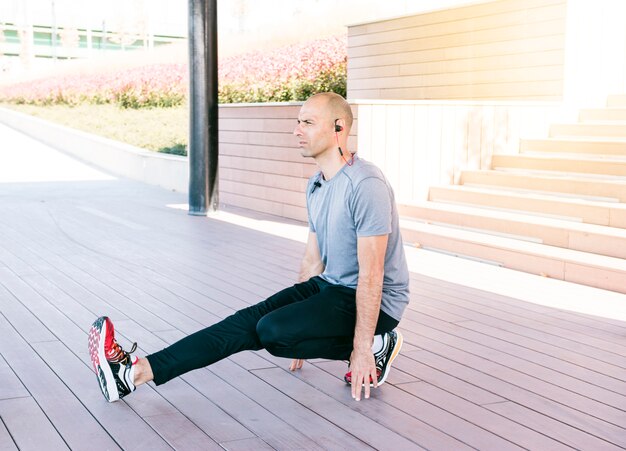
(371,207)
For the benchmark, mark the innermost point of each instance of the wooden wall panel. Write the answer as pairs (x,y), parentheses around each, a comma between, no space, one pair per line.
(507,49)
(260,165)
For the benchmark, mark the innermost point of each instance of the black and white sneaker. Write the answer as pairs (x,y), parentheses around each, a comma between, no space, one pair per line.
(392,342)
(114,367)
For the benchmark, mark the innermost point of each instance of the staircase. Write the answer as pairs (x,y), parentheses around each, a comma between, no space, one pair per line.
(557,209)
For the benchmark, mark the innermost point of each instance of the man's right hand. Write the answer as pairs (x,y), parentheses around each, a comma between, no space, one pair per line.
(296,364)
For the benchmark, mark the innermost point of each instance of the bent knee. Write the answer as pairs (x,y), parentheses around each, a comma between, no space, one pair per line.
(267,331)
(273,335)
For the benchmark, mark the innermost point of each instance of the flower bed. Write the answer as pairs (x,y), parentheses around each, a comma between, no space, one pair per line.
(285,74)
(290,73)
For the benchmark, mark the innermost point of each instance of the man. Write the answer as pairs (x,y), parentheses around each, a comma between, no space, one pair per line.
(352,290)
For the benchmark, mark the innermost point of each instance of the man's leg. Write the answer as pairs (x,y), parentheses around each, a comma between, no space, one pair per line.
(233,334)
(321,326)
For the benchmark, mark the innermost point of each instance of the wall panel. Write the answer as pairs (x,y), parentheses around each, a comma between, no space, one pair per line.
(506,49)
(260,164)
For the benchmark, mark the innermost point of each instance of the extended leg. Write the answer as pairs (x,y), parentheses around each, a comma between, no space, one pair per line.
(229,336)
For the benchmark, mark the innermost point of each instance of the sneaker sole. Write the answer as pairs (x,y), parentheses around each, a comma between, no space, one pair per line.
(394,354)
(96,352)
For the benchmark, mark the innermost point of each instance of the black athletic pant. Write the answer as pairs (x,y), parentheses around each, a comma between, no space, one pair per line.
(313,319)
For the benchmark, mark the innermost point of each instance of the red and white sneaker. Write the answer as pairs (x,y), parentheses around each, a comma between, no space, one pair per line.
(114,367)
(392,342)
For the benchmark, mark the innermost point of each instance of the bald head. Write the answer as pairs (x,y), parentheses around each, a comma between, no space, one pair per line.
(336,106)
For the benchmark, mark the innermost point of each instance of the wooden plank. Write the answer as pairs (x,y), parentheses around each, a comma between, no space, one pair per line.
(180,433)
(261,420)
(602,349)
(11,261)
(493,76)
(11,386)
(449,15)
(567,352)
(288,409)
(374,432)
(265,206)
(611,389)
(592,325)
(517,60)
(482,373)
(119,301)
(173,314)
(267,166)
(56,288)
(497,425)
(265,125)
(462,51)
(532,90)
(21,318)
(62,408)
(564,433)
(276,111)
(260,178)
(512,33)
(464,24)
(295,198)
(451,434)
(183,396)
(256,418)
(265,152)
(578,394)
(446,381)
(22,416)
(256,112)
(79,377)
(6,441)
(258,138)
(496,302)
(246,445)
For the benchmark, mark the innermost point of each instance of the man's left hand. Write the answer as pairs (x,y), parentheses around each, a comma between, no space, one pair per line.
(363,370)
(296,364)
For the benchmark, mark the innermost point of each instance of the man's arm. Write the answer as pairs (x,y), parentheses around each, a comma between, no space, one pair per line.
(371,256)
(310,266)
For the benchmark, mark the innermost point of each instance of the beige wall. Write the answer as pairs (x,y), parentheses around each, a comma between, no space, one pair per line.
(419,144)
(260,165)
(507,49)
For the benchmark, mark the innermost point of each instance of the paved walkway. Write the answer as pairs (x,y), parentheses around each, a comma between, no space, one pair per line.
(493,359)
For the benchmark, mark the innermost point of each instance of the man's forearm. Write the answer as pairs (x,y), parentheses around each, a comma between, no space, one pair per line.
(310,269)
(368,298)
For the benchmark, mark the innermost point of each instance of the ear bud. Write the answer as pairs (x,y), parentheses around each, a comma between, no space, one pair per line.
(338,128)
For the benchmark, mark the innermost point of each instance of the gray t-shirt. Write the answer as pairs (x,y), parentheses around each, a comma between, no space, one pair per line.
(357,202)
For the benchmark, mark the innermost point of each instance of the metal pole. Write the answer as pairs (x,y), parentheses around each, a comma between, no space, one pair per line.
(203,122)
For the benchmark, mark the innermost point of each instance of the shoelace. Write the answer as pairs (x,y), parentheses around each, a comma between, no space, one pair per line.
(118,355)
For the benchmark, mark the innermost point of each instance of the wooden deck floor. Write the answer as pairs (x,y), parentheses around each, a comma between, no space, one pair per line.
(478,370)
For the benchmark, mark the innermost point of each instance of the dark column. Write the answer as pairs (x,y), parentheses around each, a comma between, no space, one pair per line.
(203,120)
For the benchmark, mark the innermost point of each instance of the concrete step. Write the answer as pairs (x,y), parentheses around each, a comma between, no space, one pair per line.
(566,186)
(565,264)
(600,213)
(602,114)
(575,146)
(618,100)
(562,163)
(596,129)
(592,238)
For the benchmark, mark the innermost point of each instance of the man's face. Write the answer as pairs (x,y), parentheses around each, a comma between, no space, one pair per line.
(315,130)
